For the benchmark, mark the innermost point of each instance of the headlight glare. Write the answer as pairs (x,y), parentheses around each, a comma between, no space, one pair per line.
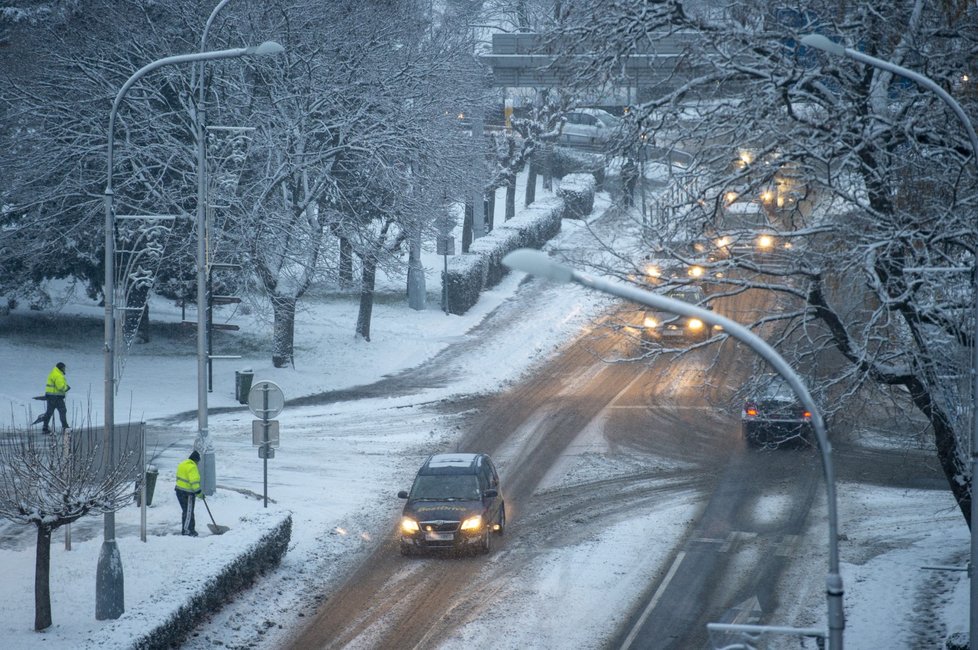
(409,525)
(472,523)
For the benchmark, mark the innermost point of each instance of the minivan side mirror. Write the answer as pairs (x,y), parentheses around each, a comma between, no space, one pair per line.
(402,494)
(490,493)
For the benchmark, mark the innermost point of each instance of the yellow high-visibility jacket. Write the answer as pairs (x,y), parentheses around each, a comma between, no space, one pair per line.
(56,383)
(188,477)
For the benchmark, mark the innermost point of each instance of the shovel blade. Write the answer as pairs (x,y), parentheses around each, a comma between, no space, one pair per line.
(218,530)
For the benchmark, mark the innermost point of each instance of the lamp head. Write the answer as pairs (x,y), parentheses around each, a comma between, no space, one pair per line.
(820,42)
(268,48)
(537,263)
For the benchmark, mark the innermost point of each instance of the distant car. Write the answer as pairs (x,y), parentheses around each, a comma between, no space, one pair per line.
(588,127)
(454,505)
(665,327)
(683,261)
(747,231)
(773,415)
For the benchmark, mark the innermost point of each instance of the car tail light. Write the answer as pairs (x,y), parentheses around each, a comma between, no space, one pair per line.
(750,410)
(807,415)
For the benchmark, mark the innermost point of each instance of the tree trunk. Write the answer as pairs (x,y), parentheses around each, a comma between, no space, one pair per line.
(547,166)
(531,184)
(467,226)
(283,331)
(416,288)
(511,198)
(42,579)
(366,297)
(948,453)
(144,325)
(346,262)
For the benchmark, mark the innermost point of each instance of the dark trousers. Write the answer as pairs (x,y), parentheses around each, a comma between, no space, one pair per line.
(56,403)
(187,500)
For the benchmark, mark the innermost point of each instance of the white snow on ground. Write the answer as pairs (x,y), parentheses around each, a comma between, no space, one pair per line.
(340,465)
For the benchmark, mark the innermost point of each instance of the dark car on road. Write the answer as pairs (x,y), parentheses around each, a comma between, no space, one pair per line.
(664,327)
(454,505)
(773,416)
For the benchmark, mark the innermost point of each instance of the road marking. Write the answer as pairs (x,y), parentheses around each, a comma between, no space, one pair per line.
(655,599)
(787,546)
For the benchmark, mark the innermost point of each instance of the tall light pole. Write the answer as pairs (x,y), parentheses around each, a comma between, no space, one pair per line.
(538,263)
(206,447)
(109,595)
(823,43)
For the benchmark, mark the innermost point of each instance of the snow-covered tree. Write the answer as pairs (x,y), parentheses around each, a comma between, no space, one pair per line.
(365,90)
(57,101)
(868,178)
(53,481)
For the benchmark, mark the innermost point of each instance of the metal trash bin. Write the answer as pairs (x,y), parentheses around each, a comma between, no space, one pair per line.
(151,474)
(242,384)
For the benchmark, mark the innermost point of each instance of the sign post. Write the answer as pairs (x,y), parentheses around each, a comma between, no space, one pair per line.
(265,400)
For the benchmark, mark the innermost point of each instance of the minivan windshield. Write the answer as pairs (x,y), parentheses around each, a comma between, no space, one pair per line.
(446,487)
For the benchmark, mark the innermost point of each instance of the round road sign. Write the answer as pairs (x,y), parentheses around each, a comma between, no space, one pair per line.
(265,399)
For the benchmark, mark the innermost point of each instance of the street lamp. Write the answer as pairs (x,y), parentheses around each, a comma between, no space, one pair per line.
(538,263)
(109,597)
(823,43)
(209,474)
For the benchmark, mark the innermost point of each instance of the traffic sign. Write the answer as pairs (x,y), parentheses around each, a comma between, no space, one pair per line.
(266,452)
(266,399)
(258,432)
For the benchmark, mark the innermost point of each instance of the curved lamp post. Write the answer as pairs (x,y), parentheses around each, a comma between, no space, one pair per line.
(823,43)
(538,263)
(109,596)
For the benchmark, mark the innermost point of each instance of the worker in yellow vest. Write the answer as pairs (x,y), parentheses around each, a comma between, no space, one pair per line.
(55,390)
(188,487)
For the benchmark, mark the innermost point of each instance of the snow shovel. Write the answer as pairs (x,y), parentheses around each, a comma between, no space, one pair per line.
(213,527)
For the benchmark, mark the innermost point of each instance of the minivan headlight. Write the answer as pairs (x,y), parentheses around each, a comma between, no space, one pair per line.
(409,525)
(472,523)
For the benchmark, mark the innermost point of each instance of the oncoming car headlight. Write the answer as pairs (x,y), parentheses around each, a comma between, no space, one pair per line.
(472,523)
(409,525)
(695,324)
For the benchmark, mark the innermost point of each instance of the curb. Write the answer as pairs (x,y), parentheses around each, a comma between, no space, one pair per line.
(239,573)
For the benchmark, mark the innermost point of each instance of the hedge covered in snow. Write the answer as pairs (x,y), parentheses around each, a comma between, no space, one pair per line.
(577,191)
(242,572)
(481,268)
(568,161)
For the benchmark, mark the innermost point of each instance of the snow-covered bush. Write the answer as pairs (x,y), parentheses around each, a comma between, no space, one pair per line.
(572,161)
(468,274)
(264,555)
(577,191)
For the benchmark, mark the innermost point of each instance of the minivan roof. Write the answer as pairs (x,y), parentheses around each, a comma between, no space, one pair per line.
(451,464)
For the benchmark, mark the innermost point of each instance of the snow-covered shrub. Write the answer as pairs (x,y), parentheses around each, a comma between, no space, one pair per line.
(572,161)
(463,281)
(577,191)
(264,555)
(468,274)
